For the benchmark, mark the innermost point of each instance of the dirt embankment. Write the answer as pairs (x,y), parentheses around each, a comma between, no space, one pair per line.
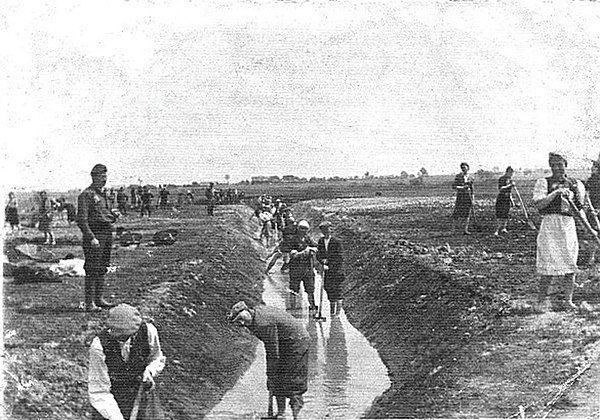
(186,288)
(442,310)
(449,314)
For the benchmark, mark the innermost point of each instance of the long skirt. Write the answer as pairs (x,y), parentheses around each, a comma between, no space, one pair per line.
(12,216)
(45,222)
(333,285)
(557,246)
(462,208)
(502,206)
(292,372)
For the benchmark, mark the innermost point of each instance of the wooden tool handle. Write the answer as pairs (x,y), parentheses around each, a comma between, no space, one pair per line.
(136,404)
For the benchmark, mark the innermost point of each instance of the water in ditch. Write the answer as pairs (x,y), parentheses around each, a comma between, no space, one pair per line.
(345,372)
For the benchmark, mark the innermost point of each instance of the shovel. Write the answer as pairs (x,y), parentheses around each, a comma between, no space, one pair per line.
(529,222)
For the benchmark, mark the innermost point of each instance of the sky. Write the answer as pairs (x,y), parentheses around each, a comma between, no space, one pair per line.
(172,92)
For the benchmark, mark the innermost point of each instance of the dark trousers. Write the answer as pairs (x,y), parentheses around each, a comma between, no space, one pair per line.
(97,259)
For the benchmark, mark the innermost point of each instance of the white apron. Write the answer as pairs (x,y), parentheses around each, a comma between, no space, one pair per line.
(557,246)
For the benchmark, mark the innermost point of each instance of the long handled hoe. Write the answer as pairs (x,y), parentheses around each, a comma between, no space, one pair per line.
(270,415)
(584,221)
(593,212)
(529,222)
(136,404)
(319,316)
(476,223)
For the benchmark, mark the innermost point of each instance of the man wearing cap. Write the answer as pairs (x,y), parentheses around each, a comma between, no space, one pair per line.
(302,249)
(329,254)
(95,218)
(122,358)
(286,345)
(557,246)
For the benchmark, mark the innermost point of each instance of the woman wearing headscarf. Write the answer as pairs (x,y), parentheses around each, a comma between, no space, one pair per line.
(558,198)
(463,184)
(286,346)
(503,201)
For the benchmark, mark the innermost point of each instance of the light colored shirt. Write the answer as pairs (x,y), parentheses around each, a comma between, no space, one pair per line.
(99,390)
(326,241)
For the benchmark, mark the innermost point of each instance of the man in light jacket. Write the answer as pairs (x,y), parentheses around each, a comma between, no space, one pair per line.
(124,360)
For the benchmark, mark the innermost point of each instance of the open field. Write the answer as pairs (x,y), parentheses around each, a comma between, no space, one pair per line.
(451,315)
(448,314)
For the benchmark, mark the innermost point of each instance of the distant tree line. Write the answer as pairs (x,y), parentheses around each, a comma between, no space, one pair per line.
(274,179)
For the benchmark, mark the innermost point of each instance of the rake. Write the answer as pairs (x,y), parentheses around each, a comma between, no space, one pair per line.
(529,222)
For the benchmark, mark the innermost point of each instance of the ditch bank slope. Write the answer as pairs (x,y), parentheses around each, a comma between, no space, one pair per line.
(448,316)
(186,288)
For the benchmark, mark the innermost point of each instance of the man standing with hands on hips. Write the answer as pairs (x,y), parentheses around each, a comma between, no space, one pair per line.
(95,218)
(329,254)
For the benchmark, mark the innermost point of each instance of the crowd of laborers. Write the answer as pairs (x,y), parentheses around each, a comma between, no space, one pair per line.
(140,199)
(561,200)
(126,357)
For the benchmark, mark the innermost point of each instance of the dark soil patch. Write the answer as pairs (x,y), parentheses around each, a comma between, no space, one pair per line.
(186,288)
(449,313)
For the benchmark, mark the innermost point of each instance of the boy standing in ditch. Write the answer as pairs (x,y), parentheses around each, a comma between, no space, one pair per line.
(329,254)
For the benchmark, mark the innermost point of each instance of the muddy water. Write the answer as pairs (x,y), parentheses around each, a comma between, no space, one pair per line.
(345,372)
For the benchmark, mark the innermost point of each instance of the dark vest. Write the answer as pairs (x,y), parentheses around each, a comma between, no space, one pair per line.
(126,377)
(558,205)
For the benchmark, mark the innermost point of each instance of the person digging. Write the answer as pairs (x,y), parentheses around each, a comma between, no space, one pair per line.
(124,361)
(286,345)
(302,250)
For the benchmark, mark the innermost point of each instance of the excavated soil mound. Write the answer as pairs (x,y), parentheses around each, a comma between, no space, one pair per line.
(186,288)
(452,315)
